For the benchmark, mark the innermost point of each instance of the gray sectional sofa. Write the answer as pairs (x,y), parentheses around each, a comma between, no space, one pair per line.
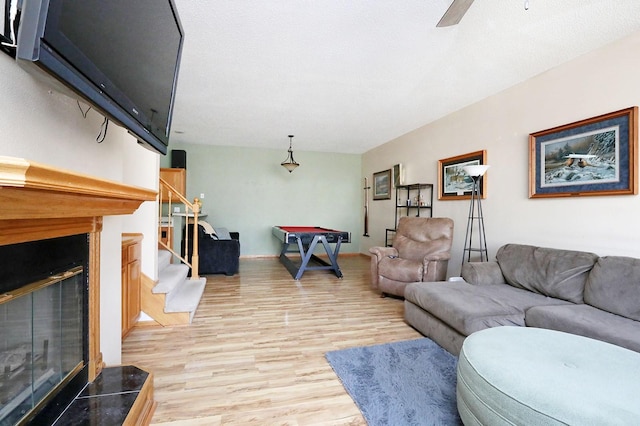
(565,290)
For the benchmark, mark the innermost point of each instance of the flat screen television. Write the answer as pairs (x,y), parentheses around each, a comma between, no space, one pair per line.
(120,56)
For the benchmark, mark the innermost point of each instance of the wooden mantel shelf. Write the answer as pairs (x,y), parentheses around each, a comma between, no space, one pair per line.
(30,190)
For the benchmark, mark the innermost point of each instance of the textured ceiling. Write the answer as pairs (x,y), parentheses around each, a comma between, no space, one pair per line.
(347,76)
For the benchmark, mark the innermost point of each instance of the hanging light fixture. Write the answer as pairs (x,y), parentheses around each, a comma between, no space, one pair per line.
(290,164)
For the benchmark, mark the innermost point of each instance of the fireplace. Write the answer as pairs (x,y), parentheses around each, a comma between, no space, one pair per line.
(44,323)
(50,225)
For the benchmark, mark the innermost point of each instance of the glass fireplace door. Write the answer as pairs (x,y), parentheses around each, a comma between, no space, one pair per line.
(41,342)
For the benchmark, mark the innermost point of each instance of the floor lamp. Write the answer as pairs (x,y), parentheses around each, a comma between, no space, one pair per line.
(476,220)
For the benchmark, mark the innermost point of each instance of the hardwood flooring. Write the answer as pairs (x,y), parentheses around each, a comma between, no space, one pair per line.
(254,354)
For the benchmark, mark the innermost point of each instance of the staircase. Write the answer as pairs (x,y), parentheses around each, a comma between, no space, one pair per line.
(174,298)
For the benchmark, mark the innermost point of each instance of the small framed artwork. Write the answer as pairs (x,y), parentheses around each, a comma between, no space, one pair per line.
(382,185)
(398,175)
(596,156)
(453,182)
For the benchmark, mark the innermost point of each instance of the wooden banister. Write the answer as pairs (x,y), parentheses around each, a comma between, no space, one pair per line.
(168,192)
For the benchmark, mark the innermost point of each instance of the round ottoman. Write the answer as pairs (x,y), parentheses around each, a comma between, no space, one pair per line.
(532,376)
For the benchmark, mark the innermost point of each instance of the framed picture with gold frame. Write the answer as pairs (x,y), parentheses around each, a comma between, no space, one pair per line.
(382,185)
(596,156)
(453,182)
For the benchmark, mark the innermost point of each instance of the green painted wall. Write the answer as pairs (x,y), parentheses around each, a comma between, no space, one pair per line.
(246,190)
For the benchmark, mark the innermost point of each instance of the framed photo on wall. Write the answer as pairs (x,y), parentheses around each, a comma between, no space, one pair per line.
(596,156)
(382,185)
(453,182)
(398,175)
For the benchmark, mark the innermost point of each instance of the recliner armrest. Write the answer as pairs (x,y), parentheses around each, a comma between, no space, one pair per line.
(381,252)
(437,256)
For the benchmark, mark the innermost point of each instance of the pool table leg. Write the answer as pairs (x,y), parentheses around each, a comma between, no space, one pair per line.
(333,255)
(306,254)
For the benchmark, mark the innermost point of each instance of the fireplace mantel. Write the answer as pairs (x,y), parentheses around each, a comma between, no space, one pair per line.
(35,191)
(39,201)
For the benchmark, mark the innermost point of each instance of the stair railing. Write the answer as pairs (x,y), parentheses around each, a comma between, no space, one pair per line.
(169,193)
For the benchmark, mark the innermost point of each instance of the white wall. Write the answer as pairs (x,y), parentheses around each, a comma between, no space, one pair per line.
(602,81)
(246,190)
(141,168)
(41,125)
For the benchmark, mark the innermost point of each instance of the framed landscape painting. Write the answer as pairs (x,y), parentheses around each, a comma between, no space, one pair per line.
(453,182)
(596,156)
(382,185)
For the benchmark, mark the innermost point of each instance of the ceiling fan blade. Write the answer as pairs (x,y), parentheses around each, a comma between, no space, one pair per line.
(454,14)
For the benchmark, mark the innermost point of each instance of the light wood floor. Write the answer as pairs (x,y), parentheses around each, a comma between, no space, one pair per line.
(254,354)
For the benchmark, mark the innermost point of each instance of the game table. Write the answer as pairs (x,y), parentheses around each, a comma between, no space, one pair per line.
(306,238)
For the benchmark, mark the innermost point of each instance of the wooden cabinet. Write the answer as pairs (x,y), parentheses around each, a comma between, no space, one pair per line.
(177,178)
(131,280)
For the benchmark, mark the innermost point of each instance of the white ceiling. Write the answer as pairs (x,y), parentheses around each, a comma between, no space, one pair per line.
(349,75)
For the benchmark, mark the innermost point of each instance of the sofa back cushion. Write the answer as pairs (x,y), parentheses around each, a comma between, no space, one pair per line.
(614,286)
(551,272)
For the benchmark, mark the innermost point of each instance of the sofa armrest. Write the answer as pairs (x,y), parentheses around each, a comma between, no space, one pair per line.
(482,273)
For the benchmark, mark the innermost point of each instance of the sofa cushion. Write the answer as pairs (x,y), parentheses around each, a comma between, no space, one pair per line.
(614,285)
(222,233)
(398,269)
(468,308)
(585,320)
(551,272)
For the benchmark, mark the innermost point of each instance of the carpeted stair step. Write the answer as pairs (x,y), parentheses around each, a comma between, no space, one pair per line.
(182,295)
(186,297)
(164,259)
(170,277)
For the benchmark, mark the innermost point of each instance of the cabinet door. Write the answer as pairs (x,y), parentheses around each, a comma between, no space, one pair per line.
(131,281)
(177,178)
(133,296)
(125,300)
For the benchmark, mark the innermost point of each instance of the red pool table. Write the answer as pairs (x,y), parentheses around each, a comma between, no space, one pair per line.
(306,239)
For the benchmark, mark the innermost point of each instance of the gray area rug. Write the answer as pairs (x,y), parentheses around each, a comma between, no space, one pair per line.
(404,383)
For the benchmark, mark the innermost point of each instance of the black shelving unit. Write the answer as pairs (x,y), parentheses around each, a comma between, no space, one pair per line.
(414,199)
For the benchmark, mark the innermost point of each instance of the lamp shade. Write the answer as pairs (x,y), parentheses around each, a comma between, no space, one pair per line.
(290,165)
(477,170)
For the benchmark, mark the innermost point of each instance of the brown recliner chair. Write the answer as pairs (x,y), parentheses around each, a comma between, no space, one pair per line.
(421,251)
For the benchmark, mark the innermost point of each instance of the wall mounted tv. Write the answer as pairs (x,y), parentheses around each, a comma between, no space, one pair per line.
(120,56)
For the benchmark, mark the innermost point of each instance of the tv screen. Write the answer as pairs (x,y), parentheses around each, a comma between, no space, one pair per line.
(121,56)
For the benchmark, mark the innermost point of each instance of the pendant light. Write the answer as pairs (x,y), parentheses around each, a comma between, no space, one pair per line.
(290,164)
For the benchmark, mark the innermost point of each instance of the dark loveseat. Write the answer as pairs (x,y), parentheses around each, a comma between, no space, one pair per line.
(219,254)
